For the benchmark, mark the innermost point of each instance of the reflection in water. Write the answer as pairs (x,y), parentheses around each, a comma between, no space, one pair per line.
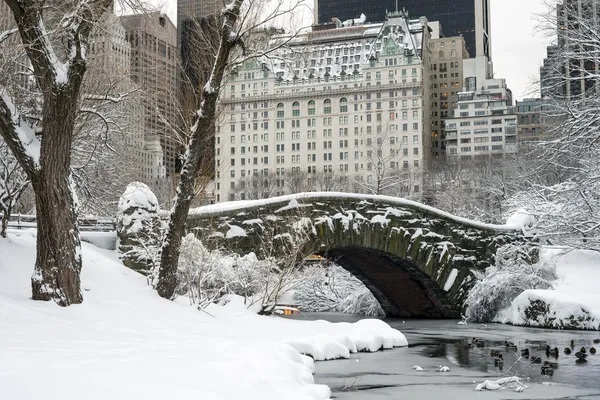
(447,340)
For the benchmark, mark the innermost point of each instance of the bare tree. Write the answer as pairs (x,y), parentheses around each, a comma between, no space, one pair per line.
(258,186)
(13,183)
(40,130)
(381,162)
(239,18)
(567,210)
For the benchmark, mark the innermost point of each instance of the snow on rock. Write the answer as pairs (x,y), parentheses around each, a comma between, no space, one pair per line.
(451,278)
(574,302)
(380,219)
(522,220)
(324,196)
(417,368)
(116,342)
(235,231)
(138,195)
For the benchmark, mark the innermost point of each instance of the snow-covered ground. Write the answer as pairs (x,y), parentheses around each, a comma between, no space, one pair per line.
(575,294)
(125,342)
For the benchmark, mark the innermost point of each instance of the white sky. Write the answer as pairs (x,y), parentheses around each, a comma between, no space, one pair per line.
(518,49)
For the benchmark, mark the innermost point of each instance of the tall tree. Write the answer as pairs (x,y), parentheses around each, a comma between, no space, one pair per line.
(237,21)
(55,39)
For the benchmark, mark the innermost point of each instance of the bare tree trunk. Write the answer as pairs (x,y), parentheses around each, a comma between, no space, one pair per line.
(202,130)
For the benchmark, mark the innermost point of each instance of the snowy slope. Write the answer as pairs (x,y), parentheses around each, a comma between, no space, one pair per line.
(575,293)
(125,342)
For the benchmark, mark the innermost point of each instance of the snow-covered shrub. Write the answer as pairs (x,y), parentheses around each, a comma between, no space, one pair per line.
(332,288)
(517,269)
(139,228)
(205,276)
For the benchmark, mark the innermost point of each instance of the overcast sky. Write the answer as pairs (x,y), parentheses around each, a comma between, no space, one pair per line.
(517,49)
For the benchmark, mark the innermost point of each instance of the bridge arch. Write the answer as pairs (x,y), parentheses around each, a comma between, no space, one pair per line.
(417,261)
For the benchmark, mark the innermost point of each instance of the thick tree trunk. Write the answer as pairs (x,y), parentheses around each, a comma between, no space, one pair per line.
(58,259)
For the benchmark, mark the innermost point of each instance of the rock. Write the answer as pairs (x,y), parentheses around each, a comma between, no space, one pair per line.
(138,227)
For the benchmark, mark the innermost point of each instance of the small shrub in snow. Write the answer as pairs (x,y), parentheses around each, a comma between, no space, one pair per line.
(516,270)
(332,288)
(206,276)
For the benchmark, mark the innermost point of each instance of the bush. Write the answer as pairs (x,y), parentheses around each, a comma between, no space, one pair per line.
(516,270)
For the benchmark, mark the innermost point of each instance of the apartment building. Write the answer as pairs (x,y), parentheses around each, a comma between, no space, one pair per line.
(446,77)
(348,104)
(534,116)
(484,122)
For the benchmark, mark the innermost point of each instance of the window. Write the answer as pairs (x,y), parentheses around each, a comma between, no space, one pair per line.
(415,138)
(343,105)
(311,107)
(296,109)
(327,106)
(280,112)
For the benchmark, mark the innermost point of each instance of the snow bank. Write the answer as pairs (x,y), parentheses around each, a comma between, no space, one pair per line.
(103,240)
(573,304)
(125,342)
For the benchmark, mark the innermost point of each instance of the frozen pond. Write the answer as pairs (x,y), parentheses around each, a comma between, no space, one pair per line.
(389,374)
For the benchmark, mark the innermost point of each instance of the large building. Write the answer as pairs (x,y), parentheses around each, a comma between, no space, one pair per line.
(446,73)
(532,115)
(467,18)
(484,122)
(347,106)
(152,38)
(573,75)
(191,35)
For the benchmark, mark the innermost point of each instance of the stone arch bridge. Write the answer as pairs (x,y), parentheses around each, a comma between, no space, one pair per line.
(418,261)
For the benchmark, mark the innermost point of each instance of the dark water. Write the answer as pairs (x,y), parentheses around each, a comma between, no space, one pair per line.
(448,340)
(389,374)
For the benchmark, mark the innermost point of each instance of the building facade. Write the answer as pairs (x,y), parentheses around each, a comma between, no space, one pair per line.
(572,77)
(484,122)
(533,117)
(152,38)
(342,109)
(446,77)
(467,18)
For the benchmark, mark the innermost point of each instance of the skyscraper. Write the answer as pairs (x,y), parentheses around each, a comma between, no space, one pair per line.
(152,38)
(467,18)
(570,68)
(189,22)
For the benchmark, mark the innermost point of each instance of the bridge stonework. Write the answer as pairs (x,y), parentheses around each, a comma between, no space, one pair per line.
(416,260)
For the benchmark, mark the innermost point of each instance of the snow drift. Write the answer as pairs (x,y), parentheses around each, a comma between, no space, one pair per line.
(126,342)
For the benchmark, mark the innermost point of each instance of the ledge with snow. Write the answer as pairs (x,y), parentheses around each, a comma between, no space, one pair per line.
(125,342)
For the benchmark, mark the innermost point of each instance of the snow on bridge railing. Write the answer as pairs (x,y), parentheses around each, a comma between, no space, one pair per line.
(219,209)
(86,223)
